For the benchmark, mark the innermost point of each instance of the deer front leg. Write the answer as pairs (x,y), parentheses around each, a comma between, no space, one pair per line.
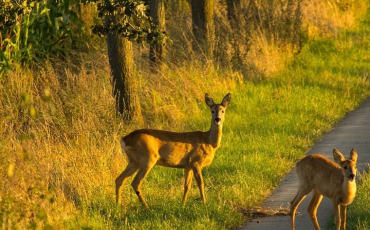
(187,184)
(343,214)
(336,215)
(199,178)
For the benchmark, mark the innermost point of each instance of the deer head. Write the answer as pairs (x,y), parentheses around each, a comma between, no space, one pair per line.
(218,110)
(348,166)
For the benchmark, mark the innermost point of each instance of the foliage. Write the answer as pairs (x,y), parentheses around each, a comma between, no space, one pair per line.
(31,30)
(128,18)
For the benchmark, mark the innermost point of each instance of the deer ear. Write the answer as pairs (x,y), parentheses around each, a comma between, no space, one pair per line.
(209,101)
(226,100)
(338,157)
(353,155)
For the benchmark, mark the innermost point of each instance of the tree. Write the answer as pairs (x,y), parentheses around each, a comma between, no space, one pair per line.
(234,15)
(122,64)
(203,24)
(157,12)
(125,21)
(233,7)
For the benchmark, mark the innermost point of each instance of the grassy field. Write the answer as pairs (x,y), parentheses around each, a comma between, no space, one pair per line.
(60,154)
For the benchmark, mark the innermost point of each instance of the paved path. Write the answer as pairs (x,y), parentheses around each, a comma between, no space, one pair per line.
(352,132)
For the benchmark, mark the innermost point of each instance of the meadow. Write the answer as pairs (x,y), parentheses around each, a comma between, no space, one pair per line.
(59,134)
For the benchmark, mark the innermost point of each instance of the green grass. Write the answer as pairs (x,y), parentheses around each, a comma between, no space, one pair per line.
(67,155)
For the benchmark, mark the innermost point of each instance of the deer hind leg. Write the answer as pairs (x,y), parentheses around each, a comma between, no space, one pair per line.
(303,190)
(122,178)
(187,185)
(199,178)
(139,178)
(312,208)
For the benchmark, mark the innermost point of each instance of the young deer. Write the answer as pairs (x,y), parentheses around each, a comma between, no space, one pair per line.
(191,151)
(322,176)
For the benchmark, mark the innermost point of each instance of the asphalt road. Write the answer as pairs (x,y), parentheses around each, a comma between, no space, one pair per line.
(352,132)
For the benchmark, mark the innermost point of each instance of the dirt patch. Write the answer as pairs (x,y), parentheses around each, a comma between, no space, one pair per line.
(264,212)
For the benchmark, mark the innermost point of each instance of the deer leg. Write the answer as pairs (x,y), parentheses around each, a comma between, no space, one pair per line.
(312,208)
(301,194)
(187,185)
(121,179)
(343,214)
(337,215)
(199,178)
(138,180)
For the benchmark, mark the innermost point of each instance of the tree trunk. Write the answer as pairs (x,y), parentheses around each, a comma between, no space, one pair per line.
(122,69)
(157,12)
(203,25)
(233,8)
(233,14)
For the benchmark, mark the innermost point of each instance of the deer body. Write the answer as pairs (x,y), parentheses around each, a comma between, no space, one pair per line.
(325,178)
(170,149)
(190,150)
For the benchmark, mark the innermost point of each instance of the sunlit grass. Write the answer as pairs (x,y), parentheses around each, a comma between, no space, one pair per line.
(59,163)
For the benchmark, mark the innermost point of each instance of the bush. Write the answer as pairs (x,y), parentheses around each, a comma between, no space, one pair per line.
(32,30)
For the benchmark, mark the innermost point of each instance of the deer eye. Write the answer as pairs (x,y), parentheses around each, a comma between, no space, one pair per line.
(223,111)
(213,111)
(345,167)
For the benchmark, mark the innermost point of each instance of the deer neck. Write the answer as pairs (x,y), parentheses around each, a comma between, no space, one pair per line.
(214,135)
(349,190)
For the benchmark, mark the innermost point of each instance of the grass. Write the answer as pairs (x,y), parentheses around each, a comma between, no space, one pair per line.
(60,152)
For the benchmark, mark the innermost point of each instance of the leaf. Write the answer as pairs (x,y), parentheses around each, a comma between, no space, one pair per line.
(45,11)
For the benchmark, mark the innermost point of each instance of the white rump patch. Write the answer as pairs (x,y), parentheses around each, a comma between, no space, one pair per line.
(123,145)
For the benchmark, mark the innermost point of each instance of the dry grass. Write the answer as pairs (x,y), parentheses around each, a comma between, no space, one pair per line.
(328,18)
(59,131)
(57,134)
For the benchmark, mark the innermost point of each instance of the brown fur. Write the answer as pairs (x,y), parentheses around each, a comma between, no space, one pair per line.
(190,150)
(325,178)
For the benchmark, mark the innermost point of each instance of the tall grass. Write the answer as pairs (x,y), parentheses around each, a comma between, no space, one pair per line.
(59,133)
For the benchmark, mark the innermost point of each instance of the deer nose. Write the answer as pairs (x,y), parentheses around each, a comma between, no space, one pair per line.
(217,119)
(351,176)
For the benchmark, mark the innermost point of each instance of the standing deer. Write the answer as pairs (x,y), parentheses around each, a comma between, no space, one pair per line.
(325,178)
(191,151)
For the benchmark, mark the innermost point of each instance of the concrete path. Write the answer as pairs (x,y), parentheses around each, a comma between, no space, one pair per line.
(352,132)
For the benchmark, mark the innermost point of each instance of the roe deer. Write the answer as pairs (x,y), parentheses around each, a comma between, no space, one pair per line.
(191,151)
(325,178)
